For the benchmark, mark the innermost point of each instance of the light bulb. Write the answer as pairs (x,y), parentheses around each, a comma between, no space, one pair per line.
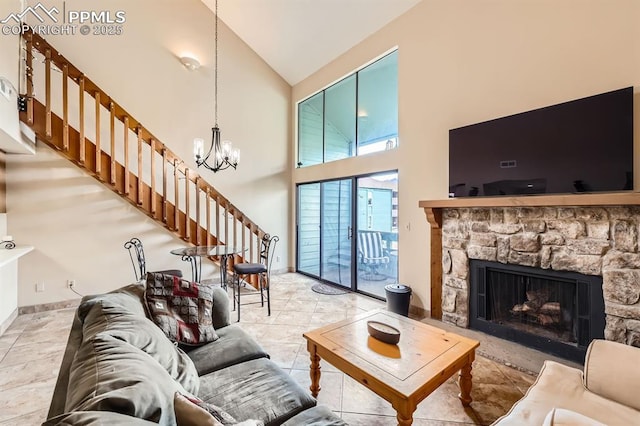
(226,149)
(198,148)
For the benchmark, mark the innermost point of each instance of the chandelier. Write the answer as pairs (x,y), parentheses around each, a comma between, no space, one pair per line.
(222,153)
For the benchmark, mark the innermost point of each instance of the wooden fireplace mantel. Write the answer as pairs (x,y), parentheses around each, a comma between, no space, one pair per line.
(603,199)
(433,211)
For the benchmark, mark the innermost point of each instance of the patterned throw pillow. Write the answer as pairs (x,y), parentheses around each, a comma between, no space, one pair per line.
(182,309)
(192,411)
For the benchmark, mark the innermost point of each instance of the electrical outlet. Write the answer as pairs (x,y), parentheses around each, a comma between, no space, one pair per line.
(40,287)
(278,259)
(71,283)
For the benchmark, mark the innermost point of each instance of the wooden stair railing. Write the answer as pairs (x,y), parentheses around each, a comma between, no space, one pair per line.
(173,209)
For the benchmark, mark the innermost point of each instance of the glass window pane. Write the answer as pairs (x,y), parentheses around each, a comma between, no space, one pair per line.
(310,131)
(309,229)
(377,232)
(378,105)
(336,232)
(340,120)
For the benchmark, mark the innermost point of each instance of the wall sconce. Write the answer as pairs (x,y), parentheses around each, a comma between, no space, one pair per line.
(190,63)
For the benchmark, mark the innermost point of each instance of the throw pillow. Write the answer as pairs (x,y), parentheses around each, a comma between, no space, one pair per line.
(191,411)
(182,309)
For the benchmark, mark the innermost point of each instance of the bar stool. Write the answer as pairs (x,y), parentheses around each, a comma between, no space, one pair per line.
(261,269)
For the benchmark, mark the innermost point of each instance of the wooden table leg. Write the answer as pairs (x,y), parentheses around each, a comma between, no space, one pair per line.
(464,381)
(404,410)
(314,371)
(404,419)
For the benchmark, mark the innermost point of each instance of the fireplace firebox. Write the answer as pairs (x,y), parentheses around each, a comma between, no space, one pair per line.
(553,311)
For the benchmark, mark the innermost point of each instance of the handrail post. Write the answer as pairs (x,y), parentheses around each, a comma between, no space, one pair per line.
(81,150)
(187,219)
(47,90)
(198,238)
(112,130)
(208,215)
(140,171)
(29,76)
(65,107)
(165,161)
(98,146)
(153,177)
(176,209)
(125,121)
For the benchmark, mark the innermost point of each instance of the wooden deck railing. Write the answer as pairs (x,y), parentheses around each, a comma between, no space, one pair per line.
(178,205)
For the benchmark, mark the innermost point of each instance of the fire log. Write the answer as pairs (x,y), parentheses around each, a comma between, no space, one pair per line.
(551,308)
(547,319)
(537,298)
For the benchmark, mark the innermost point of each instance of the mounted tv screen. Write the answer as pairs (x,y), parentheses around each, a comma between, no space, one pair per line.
(584,145)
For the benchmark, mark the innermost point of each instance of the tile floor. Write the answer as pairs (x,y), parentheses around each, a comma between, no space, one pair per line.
(32,348)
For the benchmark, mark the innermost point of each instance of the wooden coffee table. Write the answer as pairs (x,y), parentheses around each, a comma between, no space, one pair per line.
(403,374)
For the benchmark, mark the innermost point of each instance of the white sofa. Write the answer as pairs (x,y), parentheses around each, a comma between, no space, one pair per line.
(607,392)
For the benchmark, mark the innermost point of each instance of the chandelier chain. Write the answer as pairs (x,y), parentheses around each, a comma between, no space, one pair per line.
(215,73)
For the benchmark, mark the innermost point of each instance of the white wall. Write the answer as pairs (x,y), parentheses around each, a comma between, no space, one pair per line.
(466,61)
(9,58)
(78,227)
(9,299)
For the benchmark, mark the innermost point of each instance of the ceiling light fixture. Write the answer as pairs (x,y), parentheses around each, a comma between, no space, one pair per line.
(190,63)
(224,155)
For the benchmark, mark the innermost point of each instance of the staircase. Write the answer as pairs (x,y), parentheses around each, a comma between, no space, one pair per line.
(128,159)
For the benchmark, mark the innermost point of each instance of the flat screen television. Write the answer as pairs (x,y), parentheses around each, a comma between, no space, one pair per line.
(585,145)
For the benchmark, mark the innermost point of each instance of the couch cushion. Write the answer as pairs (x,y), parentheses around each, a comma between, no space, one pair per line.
(561,417)
(233,346)
(560,386)
(605,360)
(220,308)
(320,415)
(109,374)
(128,299)
(182,309)
(109,316)
(255,389)
(95,418)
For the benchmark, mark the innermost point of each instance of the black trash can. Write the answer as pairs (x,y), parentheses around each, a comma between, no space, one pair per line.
(398,297)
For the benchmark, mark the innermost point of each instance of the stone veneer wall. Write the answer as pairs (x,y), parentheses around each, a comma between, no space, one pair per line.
(591,240)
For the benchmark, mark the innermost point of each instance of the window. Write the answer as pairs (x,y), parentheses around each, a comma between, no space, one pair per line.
(356,116)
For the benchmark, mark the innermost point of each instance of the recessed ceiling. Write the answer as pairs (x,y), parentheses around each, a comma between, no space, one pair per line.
(298,37)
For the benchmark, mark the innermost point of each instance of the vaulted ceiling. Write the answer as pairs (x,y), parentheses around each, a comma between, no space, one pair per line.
(298,37)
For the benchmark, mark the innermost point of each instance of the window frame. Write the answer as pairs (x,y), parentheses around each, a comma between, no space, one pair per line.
(356,147)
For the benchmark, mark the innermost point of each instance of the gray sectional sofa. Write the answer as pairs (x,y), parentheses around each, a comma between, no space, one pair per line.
(119,368)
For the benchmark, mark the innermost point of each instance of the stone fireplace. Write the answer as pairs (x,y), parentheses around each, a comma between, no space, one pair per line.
(550,235)
(594,241)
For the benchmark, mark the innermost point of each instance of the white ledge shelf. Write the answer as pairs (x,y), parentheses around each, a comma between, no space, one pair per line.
(9,255)
(599,199)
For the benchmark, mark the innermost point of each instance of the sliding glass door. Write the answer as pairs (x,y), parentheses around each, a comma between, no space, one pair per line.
(336,232)
(347,232)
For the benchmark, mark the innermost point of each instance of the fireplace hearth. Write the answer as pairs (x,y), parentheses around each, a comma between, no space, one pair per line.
(553,311)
